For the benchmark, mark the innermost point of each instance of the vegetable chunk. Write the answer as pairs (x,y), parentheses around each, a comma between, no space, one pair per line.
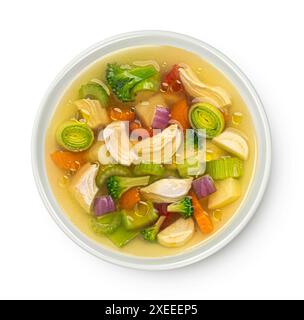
(121,236)
(96,92)
(95,115)
(228,191)
(74,136)
(141,216)
(184,207)
(232,141)
(126,81)
(201,217)
(146,110)
(83,186)
(106,224)
(177,234)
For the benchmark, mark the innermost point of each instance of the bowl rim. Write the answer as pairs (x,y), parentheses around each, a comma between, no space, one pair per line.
(231,71)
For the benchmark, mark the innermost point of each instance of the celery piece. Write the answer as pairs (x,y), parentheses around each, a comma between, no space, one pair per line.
(152,169)
(191,167)
(107,171)
(121,236)
(224,168)
(94,91)
(107,223)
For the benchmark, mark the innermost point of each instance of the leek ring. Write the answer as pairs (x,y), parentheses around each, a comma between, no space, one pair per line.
(206,116)
(75,136)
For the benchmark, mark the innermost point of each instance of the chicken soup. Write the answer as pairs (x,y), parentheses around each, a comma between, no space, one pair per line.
(150,151)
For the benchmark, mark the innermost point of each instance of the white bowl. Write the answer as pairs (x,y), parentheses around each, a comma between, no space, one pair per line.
(248,93)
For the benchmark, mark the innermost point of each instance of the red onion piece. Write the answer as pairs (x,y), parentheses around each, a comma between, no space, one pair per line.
(170,219)
(103,205)
(161,118)
(203,186)
(162,208)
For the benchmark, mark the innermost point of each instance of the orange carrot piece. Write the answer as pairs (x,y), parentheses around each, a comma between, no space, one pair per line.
(122,114)
(202,218)
(68,160)
(179,112)
(129,199)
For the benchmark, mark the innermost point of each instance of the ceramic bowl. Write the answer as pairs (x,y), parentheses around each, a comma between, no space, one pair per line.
(231,71)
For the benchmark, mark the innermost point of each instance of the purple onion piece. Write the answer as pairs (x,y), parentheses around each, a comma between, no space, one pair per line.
(203,186)
(161,118)
(161,208)
(103,205)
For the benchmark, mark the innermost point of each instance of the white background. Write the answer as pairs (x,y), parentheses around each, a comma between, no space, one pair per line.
(265,38)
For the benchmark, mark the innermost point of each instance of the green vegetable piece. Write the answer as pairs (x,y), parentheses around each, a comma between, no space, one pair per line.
(96,92)
(121,236)
(193,164)
(151,84)
(206,116)
(107,223)
(75,136)
(142,216)
(151,233)
(224,168)
(126,81)
(152,169)
(191,167)
(184,207)
(117,185)
(111,170)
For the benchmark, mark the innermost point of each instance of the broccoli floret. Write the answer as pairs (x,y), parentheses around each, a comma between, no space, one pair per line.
(151,233)
(125,81)
(118,185)
(184,207)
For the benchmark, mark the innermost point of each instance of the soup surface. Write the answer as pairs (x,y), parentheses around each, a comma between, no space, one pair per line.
(185,202)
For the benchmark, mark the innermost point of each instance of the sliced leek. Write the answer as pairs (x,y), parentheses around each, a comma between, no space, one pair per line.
(207,117)
(74,136)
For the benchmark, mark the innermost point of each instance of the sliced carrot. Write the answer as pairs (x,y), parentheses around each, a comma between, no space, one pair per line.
(68,160)
(179,113)
(201,216)
(122,114)
(129,199)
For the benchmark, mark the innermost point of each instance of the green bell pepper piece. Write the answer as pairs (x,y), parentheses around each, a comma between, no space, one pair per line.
(121,236)
(107,223)
(142,216)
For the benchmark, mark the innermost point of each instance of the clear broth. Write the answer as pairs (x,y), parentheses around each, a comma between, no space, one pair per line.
(166,57)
